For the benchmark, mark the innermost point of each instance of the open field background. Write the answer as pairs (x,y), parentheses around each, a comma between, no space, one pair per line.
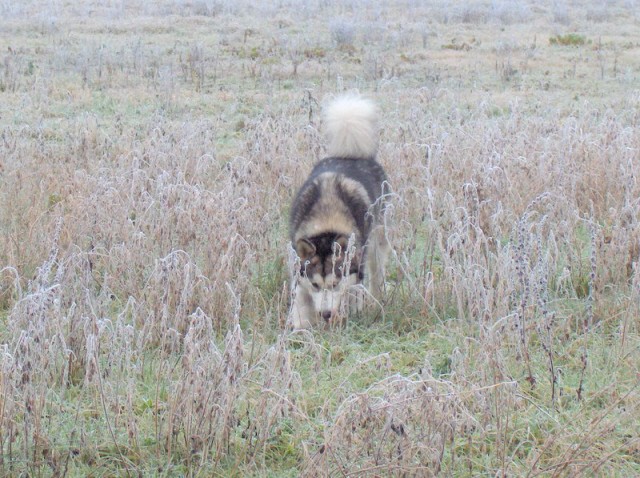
(148,156)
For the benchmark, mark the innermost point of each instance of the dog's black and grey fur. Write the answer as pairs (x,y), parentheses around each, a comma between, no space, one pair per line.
(336,223)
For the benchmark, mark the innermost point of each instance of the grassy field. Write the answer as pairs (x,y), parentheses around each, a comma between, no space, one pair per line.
(149,152)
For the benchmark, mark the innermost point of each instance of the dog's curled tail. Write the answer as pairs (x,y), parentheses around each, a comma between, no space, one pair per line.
(351,125)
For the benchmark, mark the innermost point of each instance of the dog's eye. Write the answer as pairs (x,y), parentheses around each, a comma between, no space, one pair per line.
(315,285)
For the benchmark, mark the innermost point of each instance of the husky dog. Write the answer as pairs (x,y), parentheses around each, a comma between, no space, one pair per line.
(336,222)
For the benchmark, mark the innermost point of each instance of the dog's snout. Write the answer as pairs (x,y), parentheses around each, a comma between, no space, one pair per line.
(326,315)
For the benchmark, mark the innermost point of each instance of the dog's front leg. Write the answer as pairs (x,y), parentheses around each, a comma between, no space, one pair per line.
(301,310)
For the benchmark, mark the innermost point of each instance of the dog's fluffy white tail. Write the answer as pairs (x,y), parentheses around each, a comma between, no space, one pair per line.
(351,125)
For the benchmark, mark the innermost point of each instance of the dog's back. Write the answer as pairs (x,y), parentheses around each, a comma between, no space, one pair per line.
(340,195)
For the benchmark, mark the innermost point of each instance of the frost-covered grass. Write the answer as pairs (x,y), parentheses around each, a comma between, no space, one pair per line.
(149,152)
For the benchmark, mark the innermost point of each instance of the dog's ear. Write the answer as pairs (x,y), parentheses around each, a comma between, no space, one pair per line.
(305,249)
(340,245)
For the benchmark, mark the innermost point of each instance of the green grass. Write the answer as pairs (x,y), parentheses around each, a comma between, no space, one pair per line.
(569,39)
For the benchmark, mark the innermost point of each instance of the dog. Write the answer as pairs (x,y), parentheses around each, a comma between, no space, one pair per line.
(337,220)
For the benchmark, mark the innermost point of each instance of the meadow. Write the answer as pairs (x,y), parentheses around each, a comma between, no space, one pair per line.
(149,153)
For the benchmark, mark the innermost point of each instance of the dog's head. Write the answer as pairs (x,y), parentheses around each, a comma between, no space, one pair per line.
(329,267)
